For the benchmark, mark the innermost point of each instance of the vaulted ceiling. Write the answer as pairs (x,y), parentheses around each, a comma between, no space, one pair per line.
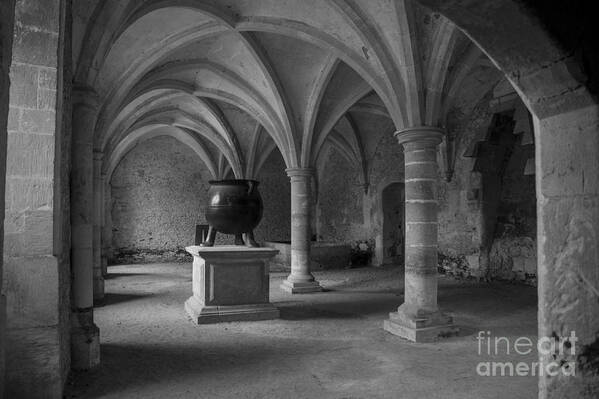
(235,79)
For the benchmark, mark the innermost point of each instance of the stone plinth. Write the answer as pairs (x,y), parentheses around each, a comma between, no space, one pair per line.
(230,283)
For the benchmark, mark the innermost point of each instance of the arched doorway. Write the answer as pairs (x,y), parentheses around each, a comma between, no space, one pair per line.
(393,223)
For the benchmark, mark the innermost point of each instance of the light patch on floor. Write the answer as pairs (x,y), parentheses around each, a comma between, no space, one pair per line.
(326,345)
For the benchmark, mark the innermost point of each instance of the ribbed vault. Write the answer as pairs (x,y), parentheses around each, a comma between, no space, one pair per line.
(294,69)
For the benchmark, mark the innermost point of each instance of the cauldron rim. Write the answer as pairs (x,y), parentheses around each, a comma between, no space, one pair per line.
(232,182)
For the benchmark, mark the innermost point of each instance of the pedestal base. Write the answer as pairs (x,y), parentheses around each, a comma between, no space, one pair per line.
(422,328)
(301,287)
(201,314)
(230,283)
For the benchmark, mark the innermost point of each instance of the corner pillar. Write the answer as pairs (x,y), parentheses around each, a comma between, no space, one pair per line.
(85,335)
(301,279)
(97,230)
(418,319)
(106,233)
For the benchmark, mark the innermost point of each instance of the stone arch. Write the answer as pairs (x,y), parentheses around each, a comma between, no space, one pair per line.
(552,85)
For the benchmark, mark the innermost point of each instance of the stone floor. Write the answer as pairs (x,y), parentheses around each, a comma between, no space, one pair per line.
(326,345)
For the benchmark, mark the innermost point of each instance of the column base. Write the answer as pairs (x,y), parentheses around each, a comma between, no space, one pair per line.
(202,314)
(421,328)
(85,341)
(301,287)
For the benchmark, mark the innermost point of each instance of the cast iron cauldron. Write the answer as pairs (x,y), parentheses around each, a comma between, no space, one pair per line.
(234,207)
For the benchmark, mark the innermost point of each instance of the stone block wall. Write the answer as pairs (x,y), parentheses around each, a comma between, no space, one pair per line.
(36,269)
(7,11)
(159,193)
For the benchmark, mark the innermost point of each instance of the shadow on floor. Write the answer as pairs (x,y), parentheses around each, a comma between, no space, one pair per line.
(112,299)
(351,308)
(122,365)
(111,276)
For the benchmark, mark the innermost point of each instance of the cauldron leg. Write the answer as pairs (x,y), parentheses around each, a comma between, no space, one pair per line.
(239,239)
(210,238)
(249,239)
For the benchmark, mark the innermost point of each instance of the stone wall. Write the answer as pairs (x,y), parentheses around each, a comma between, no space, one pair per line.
(159,193)
(487,210)
(385,167)
(340,201)
(349,210)
(36,272)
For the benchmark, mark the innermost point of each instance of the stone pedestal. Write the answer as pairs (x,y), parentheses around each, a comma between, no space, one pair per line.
(301,279)
(230,283)
(419,318)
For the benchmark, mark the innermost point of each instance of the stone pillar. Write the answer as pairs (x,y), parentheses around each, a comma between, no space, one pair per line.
(567,166)
(97,230)
(7,15)
(300,280)
(418,318)
(85,345)
(106,233)
(36,271)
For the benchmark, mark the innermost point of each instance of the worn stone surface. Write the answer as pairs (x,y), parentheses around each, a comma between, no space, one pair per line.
(159,193)
(7,10)
(37,288)
(230,283)
(340,201)
(568,274)
(330,345)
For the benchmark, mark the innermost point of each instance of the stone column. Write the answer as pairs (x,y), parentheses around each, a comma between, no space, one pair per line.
(418,318)
(106,236)
(300,280)
(97,230)
(85,345)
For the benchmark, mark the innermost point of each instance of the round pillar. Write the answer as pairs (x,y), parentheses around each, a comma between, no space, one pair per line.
(300,280)
(85,343)
(105,235)
(418,318)
(97,230)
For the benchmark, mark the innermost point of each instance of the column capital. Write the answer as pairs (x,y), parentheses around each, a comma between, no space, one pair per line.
(85,96)
(426,135)
(299,172)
